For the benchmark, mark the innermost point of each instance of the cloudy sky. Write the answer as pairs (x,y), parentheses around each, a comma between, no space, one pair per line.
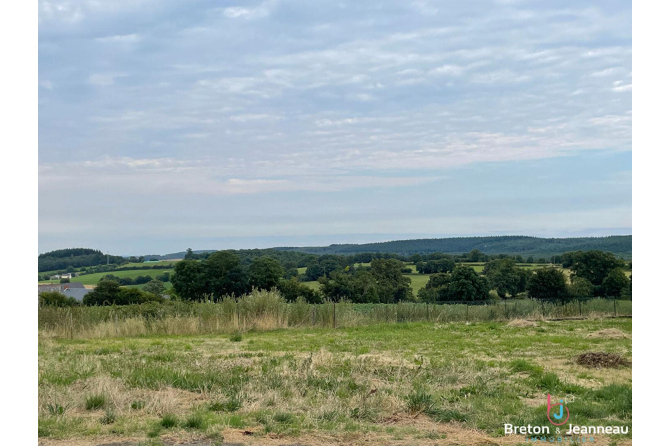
(219,124)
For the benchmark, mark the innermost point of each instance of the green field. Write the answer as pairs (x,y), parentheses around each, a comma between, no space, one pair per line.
(93,279)
(408,383)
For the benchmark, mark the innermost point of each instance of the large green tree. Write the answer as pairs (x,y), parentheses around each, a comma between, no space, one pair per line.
(594,266)
(188,280)
(392,285)
(265,273)
(548,283)
(505,277)
(616,283)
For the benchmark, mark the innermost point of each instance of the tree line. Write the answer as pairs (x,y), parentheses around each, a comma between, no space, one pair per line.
(384,280)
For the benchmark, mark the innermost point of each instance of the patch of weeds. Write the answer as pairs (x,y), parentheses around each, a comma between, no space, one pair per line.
(137,405)
(446,415)
(95,402)
(169,421)
(523,366)
(283,417)
(195,421)
(419,402)
(236,337)
(56,409)
(236,421)
(109,418)
(618,398)
(233,404)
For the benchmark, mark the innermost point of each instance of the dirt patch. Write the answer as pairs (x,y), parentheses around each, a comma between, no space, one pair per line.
(609,333)
(522,323)
(600,360)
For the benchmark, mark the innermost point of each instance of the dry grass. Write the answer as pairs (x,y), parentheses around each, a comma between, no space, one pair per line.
(522,323)
(608,333)
(318,386)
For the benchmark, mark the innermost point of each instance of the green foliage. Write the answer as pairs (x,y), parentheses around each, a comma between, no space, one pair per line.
(62,259)
(505,277)
(548,283)
(616,283)
(155,287)
(292,290)
(419,402)
(580,288)
(195,421)
(109,292)
(384,282)
(95,402)
(463,284)
(137,405)
(57,299)
(594,266)
(231,405)
(169,420)
(265,273)
(109,417)
(236,337)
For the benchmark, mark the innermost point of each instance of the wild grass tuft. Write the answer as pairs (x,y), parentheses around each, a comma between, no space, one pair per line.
(419,402)
(169,420)
(95,402)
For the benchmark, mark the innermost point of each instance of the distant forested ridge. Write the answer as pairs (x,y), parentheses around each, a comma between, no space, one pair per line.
(621,245)
(73,257)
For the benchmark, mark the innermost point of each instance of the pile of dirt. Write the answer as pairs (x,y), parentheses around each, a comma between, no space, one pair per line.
(522,323)
(601,360)
(608,333)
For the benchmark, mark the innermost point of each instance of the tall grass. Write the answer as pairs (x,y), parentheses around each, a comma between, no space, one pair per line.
(267,310)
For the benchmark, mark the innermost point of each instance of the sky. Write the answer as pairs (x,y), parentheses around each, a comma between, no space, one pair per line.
(170,124)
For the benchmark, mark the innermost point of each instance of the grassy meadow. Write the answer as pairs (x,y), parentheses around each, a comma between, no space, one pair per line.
(93,279)
(421,383)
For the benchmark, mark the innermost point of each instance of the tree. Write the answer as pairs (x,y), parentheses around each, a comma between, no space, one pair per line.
(616,283)
(361,287)
(547,283)
(155,287)
(466,284)
(265,273)
(129,296)
(224,275)
(594,266)
(292,290)
(505,277)
(106,293)
(392,286)
(313,272)
(580,287)
(189,254)
(463,284)
(188,280)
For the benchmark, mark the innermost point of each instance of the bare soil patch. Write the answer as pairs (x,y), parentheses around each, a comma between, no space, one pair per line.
(602,360)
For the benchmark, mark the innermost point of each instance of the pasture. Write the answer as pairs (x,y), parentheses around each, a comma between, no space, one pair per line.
(420,383)
(93,279)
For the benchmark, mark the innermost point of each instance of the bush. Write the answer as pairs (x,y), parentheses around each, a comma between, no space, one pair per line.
(57,299)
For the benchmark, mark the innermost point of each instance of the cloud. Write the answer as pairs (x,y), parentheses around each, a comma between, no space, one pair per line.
(125,38)
(103,79)
(269,97)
